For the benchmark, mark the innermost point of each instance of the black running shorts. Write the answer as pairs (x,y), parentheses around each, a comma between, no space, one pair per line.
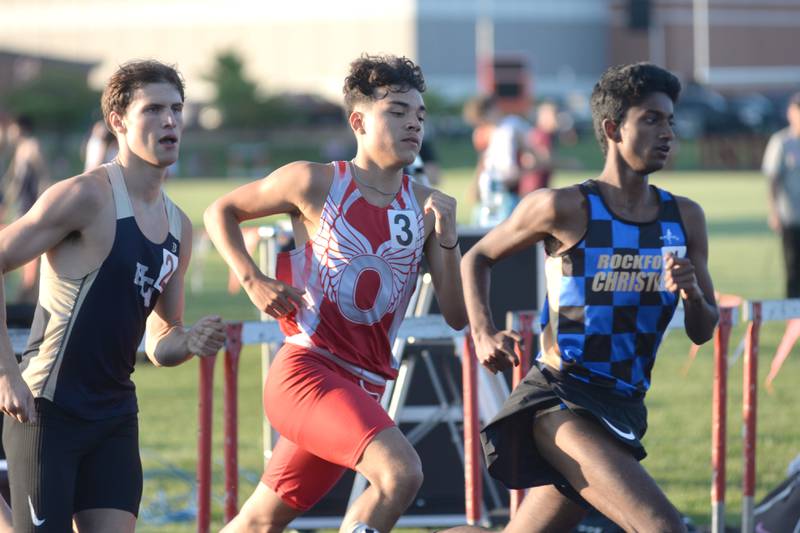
(508,445)
(62,465)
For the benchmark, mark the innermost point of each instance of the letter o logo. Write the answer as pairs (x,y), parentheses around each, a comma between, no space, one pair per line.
(351,276)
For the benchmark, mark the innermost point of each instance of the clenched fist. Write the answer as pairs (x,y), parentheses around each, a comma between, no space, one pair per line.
(497,351)
(443,208)
(274,297)
(206,336)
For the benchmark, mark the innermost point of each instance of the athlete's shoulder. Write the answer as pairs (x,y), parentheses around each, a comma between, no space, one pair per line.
(569,192)
(185,221)
(548,211)
(90,190)
(422,192)
(306,169)
(306,176)
(562,199)
(691,212)
(187,234)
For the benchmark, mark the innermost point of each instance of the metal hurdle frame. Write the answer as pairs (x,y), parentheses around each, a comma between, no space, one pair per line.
(527,325)
(719,417)
(433,327)
(238,335)
(756,313)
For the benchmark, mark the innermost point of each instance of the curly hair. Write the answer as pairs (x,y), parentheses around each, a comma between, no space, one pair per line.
(133,75)
(624,86)
(368,73)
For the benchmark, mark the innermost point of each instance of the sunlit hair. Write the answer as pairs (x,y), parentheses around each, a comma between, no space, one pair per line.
(624,86)
(133,75)
(368,73)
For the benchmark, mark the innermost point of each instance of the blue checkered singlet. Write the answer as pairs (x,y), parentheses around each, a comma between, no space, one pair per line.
(606,309)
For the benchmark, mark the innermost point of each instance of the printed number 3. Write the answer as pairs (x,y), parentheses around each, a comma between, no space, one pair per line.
(404,236)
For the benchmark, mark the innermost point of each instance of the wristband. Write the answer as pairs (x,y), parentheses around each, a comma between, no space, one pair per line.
(451,247)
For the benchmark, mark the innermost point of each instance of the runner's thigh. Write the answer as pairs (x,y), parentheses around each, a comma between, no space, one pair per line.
(601,469)
(110,474)
(43,460)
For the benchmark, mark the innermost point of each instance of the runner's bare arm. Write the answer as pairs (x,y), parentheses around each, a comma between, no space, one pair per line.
(291,190)
(444,256)
(167,342)
(68,206)
(690,276)
(530,222)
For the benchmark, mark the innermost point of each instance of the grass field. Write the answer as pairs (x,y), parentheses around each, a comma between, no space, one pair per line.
(744,259)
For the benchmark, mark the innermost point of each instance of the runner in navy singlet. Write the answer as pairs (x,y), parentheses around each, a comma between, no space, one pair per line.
(114,252)
(621,254)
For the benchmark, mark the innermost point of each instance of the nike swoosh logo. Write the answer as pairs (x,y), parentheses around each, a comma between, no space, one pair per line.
(34,518)
(624,434)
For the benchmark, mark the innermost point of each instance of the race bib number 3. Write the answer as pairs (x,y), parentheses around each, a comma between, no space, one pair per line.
(403,226)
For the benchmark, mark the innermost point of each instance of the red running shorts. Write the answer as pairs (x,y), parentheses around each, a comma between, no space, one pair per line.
(326,417)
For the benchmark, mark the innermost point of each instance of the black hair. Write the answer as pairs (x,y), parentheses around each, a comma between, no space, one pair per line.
(25,123)
(624,86)
(368,73)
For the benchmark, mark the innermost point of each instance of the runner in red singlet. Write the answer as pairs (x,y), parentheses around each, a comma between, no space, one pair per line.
(361,228)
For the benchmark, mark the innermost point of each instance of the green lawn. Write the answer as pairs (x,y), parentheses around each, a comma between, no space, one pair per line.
(744,259)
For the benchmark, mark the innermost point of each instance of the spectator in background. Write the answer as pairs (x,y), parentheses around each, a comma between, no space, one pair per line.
(27,176)
(27,173)
(476,114)
(101,146)
(781,166)
(541,139)
(506,157)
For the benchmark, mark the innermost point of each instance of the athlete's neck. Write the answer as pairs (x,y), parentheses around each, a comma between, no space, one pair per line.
(370,173)
(142,179)
(628,186)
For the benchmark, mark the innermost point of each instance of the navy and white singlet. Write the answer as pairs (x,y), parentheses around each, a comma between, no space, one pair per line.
(86,331)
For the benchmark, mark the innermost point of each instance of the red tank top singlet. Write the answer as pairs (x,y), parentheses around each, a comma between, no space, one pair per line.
(359,272)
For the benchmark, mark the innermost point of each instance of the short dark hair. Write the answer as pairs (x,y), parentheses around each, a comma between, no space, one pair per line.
(133,75)
(368,73)
(624,86)
(25,123)
(794,99)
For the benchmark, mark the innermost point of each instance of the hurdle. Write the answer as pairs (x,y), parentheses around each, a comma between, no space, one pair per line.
(527,325)
(756,313)
(238,335)
(719,417)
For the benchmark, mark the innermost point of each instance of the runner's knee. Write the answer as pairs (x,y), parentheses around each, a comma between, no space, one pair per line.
(401,480)
(668,520)
(664,519)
